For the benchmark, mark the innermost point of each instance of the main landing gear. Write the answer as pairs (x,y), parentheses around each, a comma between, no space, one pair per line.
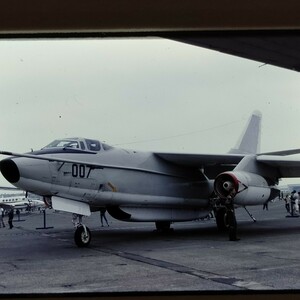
(82,235)
(163,226)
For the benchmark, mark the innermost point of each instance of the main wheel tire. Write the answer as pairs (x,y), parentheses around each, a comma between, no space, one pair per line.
(163,225)
(82,238)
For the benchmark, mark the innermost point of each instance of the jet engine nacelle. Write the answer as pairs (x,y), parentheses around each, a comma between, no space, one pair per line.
(249,188)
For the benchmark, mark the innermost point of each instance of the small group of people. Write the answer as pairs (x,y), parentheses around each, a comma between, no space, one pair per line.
(10,215)
(292,203)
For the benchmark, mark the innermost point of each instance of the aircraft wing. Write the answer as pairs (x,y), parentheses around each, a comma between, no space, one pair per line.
(287,166)
(9,188)
(201,160)
(6,206)
(282,152)
(212,164)
(285,162)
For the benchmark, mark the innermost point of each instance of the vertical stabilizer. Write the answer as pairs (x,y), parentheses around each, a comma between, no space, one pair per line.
(249,142)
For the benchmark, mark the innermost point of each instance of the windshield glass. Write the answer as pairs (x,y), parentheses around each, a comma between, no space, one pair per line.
(93,145)
(63,144)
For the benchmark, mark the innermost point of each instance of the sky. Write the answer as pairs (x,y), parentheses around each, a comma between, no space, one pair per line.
(144,94)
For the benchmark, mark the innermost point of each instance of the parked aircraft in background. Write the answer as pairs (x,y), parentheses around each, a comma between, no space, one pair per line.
(80,175)
(15,201)
(20,201)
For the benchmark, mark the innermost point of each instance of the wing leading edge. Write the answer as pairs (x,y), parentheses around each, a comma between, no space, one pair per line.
(286,162)
(200,160)
(211,164)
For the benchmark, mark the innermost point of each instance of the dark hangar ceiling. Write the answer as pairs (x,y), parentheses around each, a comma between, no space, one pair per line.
(264,30)
(278,48)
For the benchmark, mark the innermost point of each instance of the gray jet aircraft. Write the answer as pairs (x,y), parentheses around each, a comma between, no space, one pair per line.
(80,176)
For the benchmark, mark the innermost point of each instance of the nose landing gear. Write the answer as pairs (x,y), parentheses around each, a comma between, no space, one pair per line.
(82,235)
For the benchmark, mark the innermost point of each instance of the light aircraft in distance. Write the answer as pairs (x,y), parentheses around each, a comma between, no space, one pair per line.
(19,201)
(80,176)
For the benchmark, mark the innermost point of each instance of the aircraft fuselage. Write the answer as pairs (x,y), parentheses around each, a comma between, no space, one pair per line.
(113,178)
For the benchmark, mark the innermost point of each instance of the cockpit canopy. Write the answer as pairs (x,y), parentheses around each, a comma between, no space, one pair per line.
(78,143)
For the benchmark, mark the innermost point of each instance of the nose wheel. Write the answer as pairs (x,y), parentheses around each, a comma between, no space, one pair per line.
(82,236)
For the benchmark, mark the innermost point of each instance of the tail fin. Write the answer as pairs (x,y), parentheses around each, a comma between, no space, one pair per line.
(249,142)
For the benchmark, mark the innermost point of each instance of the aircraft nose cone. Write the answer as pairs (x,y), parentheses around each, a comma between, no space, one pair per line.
(9,170)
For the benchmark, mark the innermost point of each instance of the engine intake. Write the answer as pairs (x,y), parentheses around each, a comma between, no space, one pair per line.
(225,183)
(249,188)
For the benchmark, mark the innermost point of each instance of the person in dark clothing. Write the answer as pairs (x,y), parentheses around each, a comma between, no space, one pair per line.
(287,201)
(18,214)
(1,217)
(294,197)
(102,216)
(10,218)
(230,216)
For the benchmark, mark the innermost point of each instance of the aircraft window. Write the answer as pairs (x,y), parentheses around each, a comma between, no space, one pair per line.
(93,145)
(62,144)
(72,145)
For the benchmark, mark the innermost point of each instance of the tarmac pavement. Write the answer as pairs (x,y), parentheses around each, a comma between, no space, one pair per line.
(133,257)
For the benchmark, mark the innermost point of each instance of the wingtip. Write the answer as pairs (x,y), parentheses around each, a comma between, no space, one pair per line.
(257,113)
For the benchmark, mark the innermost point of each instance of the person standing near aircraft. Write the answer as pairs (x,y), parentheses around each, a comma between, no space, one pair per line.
(10,218)
(18,214)
(287,200)
(294,199)
(230,216)
(1,217)
(265,206)
(297,203)
(102,216)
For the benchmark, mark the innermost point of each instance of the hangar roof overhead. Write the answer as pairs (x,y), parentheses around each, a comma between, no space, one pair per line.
(262,30)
